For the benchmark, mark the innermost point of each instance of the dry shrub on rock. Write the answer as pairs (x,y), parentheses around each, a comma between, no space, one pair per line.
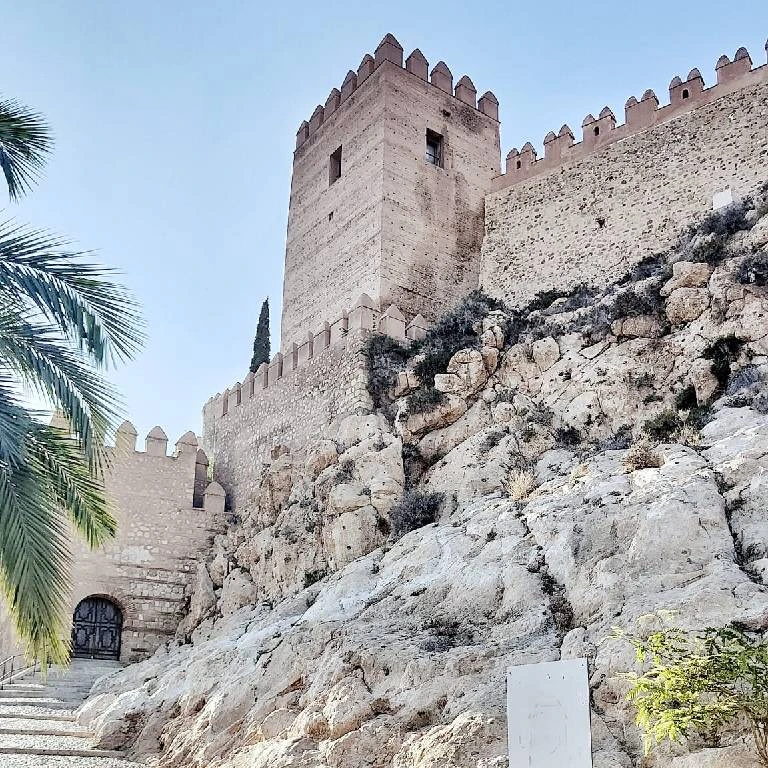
(642,456)
(520,484)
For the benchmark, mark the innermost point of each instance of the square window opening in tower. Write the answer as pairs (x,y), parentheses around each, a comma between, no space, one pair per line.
(334,167)
(434,153)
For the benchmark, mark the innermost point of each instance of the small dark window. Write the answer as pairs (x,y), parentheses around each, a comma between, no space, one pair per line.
(685,93)
(334,167)
(519,164)
(597,130)
(330,216)
(434,154)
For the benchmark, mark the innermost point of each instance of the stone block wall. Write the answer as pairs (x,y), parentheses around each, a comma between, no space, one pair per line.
(432,216)
(167,517)
(591,212)
(243,425)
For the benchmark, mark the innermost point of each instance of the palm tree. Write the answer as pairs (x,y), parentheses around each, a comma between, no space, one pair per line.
(62,319)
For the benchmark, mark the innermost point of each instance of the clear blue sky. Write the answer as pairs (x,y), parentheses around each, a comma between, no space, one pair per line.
(175,123)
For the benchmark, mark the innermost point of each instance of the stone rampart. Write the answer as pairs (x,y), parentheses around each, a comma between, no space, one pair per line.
(587,213)
(167,516)
(369,212)
(293,398)
(684,96)
(389,49)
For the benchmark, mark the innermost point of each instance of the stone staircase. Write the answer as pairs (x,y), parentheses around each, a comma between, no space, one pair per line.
(38,728)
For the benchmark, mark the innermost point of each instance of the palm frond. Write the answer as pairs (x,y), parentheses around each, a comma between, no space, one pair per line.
(25,141)
(36,354)
(100,316)
(14,422)
(76,490)
(34,556)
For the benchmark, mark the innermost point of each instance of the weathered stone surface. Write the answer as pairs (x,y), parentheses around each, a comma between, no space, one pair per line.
(546,352)
(686,304)
(418,639)
(540,236)
(237,592)
(441,416)
(440,441)
(687,274)
(322,457)
(468,365)
(640,326)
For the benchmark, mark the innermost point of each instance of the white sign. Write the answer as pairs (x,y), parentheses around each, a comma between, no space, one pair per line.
(721,199)
(548,715)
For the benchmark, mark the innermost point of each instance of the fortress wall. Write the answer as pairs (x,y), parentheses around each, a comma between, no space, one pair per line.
(545,232)
(292,410)
(433,216)
(149,568)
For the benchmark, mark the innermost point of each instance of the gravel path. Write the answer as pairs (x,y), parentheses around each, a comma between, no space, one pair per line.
(37,727)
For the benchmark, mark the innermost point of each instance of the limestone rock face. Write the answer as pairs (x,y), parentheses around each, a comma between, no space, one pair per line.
(402,653)
(469,367)
(687,274)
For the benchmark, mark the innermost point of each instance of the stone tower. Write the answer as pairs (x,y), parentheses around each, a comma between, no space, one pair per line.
(387,193)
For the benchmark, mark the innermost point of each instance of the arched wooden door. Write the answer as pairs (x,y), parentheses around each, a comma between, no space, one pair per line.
(97,627)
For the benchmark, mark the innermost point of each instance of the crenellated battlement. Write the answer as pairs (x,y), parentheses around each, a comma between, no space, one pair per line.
(684,96)
(188,464)
(365,315)
(390,50)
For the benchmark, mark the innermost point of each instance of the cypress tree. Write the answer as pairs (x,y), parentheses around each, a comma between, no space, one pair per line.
(261,348)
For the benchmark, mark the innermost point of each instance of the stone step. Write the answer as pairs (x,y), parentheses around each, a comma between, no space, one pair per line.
(20,741)
(45,703)
(19,730)
(43,752)
(57,761)
(50,693)
(14,715)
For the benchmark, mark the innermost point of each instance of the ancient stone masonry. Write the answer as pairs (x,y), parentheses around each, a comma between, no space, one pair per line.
(588,212)
(292,399)
(389,177)
(167,515)
(684,96)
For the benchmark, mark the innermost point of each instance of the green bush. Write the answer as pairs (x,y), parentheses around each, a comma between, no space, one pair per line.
(424,399)
(385,357)
(685,399)
(700,682)
(567,437)
(313,576)
(661,428)
(722,352)
(754,269)
(454,330)
(726,221)
(415,509)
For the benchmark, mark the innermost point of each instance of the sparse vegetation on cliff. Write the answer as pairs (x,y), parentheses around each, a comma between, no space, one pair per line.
(414,510)
(700,682)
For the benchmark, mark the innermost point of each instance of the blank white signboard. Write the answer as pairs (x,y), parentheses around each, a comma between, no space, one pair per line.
(548,715)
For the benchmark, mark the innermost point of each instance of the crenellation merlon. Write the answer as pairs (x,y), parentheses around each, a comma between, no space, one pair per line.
(684,96)
(390,50)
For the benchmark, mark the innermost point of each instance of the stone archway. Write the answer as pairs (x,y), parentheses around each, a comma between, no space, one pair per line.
(97,626)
